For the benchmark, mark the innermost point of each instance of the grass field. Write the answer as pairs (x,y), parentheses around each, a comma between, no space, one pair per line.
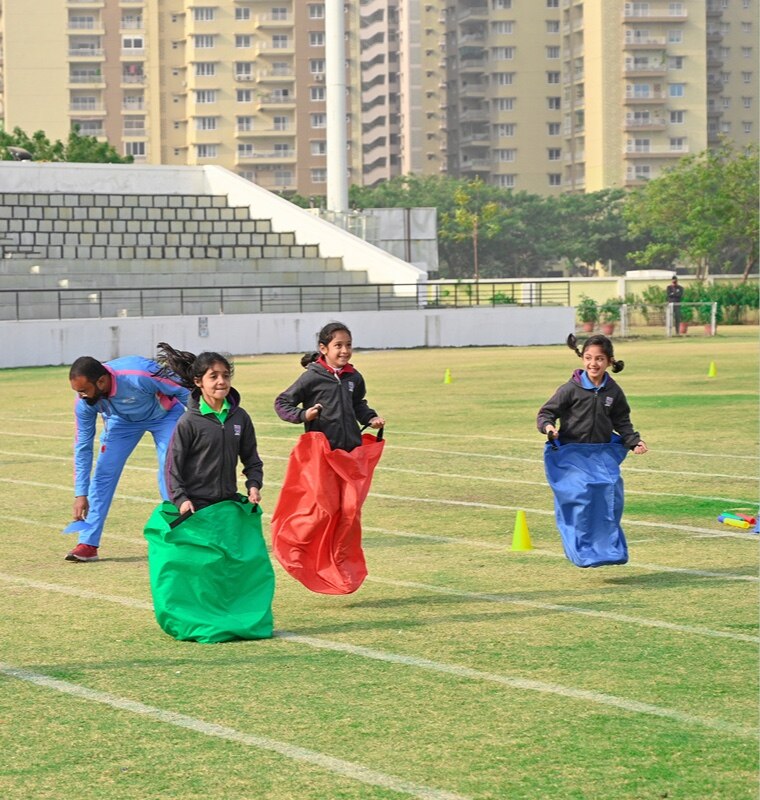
(460,669)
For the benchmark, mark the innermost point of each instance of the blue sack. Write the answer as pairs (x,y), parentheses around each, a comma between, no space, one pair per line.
(588,500)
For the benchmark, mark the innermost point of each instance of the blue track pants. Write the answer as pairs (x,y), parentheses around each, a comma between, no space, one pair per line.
(117,442)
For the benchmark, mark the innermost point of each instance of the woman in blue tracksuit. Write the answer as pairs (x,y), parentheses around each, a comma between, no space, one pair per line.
(133,397)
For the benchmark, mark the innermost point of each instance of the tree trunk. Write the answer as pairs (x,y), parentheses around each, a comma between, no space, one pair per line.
(748,264)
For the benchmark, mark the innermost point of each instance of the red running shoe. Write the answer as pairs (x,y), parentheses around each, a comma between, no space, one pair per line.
(83,552)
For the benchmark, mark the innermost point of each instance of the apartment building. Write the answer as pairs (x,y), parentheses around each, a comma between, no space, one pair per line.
(543,96)
(581,95)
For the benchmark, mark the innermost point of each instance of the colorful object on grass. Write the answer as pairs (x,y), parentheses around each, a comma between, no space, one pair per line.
(588,500)
(734,522)
(316,524)
(210,574)
(521,536)
(736,518)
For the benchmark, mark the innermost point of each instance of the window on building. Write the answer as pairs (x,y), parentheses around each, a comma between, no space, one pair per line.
(554,153)
(504,130)
(503,26)
(205,96)
(504,104)
(206,123)
(552,77)
(318,148)
(725,103)
(280,14)
(553,128)
(281,123)
(678,144)
(242,14)
(746,77)
(205,69)
(207,150)
(675,36)
(506,181)
(676,89)
(746,27)
(245,150)
(283,177)
(317,39)
(554,103)
(243,70)
(505,154)
(746,102)
(203,41)
(552,3)
(503,78)
(317,66)
(747,127)
(280,41)
(502,53)
(243,40)
(317,93)
(555,179)
(642,172)
(725,127)
(677,117)
(243,95)
(746,52)
(319,175)
(675,62)
(135,149)
(244,124)
(552,26)
(316,10)
(204,13)
(319,120)
(552,51)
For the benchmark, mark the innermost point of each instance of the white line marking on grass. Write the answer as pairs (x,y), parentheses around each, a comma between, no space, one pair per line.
(537,460)
(544,484)
(438,666)
(337,766)
(611,615)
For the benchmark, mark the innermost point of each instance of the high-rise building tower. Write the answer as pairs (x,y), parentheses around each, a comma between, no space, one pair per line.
(543,96)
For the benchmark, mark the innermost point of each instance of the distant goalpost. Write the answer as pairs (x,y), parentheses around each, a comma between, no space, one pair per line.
(663,315)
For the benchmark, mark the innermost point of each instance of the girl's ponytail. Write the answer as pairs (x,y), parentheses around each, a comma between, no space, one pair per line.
(308,358)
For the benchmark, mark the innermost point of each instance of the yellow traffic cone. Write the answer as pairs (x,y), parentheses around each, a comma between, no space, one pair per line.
(521,537)
(447,376)
(712,372)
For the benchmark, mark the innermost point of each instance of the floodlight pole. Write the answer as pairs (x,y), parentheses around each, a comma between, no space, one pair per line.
(335,82)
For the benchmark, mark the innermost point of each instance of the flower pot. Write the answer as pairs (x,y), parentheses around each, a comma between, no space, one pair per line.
(587,327)
(683,327)
(607,328)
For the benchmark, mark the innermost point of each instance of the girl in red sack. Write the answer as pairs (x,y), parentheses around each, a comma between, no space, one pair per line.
(316,526)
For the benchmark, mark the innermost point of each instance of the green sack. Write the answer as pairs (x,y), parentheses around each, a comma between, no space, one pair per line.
(210,573)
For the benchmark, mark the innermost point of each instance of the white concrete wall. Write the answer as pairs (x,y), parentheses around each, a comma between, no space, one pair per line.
(54,342)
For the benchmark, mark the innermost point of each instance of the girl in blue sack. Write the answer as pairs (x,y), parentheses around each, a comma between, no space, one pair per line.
(210,573)
(582,458)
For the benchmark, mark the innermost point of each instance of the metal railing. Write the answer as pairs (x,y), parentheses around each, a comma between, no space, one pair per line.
(96,303)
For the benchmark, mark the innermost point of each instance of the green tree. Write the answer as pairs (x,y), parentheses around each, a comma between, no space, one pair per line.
(703,211)
(77,148)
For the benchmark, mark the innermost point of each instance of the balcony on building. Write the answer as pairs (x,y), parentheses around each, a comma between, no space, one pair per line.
(480,166)
(475,140)
(130,106)
(276,102)
(473,89)
(714,84)
(132,74)
(267,157)
(644,123)
(92,25)
(134,133)
(87,107)
(133,52)
(268,50)
(575,157)
(656,97)
(659,151)
(90,3)
(654,68)
(713,61)
(472,64)
(714,36)
(131,24)
(638,42)
(647,13)
(273,20)
(474,12)
(280,75)
(85,76)
(81,49)
(714,9)
(474,115)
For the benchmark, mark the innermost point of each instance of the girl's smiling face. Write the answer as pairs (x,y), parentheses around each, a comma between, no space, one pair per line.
(215,384)
(338,352)
(595,362)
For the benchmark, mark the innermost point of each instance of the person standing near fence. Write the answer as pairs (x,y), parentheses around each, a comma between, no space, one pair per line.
(133,396)
(674,294)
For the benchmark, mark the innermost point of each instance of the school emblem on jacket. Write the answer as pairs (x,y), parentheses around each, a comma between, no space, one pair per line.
(350,386)
(608,401)
(236,429)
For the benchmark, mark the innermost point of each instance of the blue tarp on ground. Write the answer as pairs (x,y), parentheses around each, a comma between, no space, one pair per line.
(588,500)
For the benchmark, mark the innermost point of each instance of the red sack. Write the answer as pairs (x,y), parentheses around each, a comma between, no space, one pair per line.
(316,525)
